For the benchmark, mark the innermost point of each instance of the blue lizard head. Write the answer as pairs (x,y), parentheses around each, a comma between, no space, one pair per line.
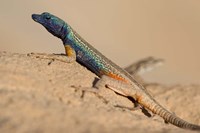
(53,24)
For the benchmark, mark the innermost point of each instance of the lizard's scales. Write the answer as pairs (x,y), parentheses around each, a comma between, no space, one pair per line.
(100,65)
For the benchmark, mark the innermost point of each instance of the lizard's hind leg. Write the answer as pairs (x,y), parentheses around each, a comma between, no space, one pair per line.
(123,89)
(118,86)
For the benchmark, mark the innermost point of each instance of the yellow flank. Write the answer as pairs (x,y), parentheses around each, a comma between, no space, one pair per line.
(69,50)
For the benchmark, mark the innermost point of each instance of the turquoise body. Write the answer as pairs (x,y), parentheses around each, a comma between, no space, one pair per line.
(85,53)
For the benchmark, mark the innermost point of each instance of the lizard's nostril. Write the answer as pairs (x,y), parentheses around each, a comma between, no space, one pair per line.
(35,17)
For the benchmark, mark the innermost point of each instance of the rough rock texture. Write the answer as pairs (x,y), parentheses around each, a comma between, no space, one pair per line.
(39,97)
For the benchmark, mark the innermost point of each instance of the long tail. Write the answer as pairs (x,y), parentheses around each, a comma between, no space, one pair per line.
(149,103)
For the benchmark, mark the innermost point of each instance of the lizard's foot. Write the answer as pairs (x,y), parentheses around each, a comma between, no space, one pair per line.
(87,89)
(53,57)
(143,65)
(136,107)
(129,108)
(90,90)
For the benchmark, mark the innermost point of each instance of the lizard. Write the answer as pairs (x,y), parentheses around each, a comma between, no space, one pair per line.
(143,65)
(111,75)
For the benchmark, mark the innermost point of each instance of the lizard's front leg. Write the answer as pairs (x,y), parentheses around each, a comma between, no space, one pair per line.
(70,55)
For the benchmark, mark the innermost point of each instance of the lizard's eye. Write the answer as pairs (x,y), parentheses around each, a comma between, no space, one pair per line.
(48,17)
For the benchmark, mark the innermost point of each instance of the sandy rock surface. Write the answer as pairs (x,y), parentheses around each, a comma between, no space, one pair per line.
(38,96)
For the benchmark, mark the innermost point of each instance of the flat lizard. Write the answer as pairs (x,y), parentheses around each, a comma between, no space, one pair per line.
(111,75)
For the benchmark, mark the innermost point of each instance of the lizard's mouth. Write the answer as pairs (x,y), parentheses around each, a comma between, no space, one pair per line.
(36,17)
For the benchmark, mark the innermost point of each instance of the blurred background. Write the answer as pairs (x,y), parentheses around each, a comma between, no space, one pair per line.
(125,31)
